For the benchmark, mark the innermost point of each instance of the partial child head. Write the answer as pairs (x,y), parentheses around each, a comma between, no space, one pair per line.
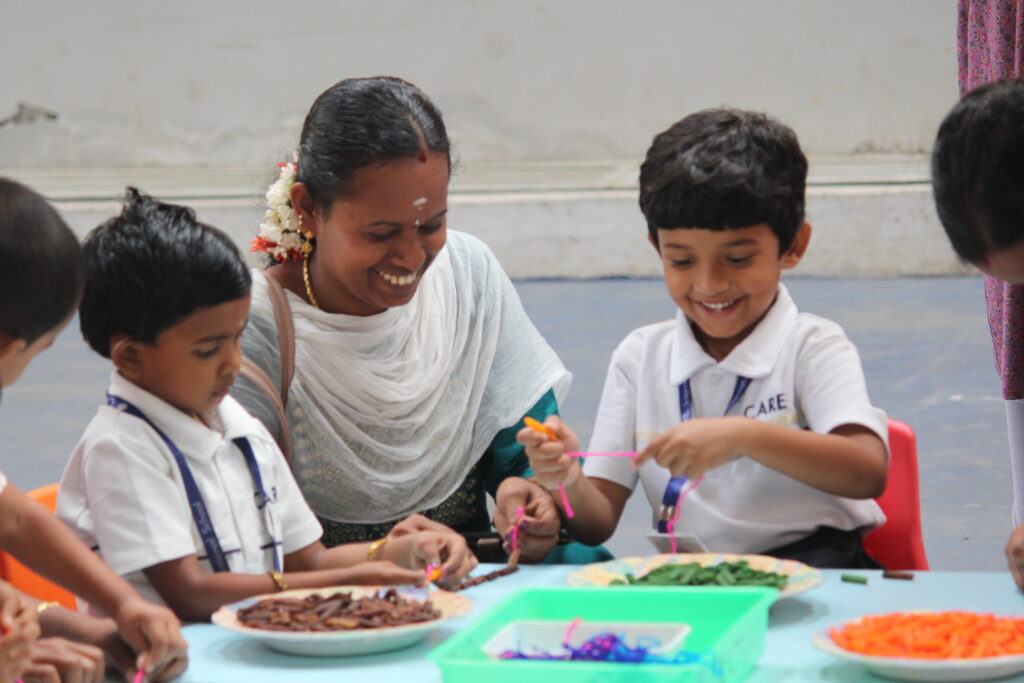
(41,277)
(978,178)
(723,194)
(372,188)
(166,298)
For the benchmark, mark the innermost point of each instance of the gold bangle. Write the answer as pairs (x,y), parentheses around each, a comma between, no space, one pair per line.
(278,578)
(43,606)
(375,546)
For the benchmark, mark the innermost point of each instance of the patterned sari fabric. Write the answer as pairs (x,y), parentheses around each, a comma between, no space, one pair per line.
(990,47)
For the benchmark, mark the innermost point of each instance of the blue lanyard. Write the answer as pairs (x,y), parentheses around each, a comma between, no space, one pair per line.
(675,484)
(200,515)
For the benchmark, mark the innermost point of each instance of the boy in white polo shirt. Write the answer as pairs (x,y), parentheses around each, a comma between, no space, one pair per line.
(178,488)
(752,418)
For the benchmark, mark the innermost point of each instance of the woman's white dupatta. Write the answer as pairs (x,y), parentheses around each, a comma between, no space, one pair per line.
(389,412)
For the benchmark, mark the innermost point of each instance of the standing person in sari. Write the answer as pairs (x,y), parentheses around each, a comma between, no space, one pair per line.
(990,47)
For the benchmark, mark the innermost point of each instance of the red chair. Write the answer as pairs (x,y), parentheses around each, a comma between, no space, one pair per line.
(898,543)
(26,580)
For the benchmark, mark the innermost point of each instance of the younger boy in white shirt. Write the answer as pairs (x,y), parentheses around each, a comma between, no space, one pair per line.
(757,412)
(180,489)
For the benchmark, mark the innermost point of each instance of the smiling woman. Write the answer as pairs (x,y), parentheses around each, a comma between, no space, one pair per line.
(414,359)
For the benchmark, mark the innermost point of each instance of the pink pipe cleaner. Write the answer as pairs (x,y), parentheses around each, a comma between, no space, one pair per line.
(568,632)
(565,502)
(520,512)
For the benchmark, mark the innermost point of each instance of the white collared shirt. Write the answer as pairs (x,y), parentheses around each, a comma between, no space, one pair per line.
(805,373)
(122,491)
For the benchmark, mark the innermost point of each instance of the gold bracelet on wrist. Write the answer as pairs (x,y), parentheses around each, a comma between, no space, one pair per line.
(43,606)
(375,546)
(278,579)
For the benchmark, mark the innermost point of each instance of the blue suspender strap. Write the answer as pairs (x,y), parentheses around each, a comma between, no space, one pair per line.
(675,484)
(195,499)
(254,469)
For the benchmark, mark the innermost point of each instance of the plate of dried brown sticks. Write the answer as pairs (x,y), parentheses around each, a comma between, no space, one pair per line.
(342,620)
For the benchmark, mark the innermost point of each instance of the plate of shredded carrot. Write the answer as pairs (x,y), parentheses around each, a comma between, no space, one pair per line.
(931,645)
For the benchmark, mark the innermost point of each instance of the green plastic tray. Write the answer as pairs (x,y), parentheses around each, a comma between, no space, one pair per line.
(731,622)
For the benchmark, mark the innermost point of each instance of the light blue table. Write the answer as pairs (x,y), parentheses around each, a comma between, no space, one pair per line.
(218,656)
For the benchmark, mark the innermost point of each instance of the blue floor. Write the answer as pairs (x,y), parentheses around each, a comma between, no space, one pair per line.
(924,344)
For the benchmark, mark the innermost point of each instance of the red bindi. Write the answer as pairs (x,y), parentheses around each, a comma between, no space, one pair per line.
(423,157)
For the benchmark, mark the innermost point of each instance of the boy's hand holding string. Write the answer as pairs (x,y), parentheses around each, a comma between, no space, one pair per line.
(849,461)
(597,503)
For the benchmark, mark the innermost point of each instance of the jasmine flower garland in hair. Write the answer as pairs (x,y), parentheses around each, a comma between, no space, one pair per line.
(280,234)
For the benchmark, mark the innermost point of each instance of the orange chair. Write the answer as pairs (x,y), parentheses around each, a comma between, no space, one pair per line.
(898,543)
(23,578)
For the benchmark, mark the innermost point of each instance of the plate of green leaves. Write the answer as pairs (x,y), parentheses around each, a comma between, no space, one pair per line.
(789,577)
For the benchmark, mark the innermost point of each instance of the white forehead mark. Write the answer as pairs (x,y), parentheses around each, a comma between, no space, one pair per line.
(418,221)
(420,202)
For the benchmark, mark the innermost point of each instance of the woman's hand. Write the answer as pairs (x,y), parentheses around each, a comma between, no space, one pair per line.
(59,660)
(691,448)
(443,550)
(539,527)
(415,523)
(547,455)
(155,633)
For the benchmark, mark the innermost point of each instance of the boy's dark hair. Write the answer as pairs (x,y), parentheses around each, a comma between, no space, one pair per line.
(361,122)
(722,169)
(152,266)
(978,170)
(42,272)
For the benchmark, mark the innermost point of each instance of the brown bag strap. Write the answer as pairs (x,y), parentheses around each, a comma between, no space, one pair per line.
(258,377)
(286,347)
(285,332)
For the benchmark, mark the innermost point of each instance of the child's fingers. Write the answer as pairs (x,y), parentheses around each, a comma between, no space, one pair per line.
(530,437)
(174,668)
(166,644)
(554,473)
(74,662)
(653,450)
(558,463)
(549,450)
(559,428)
(122,656)
(541,429)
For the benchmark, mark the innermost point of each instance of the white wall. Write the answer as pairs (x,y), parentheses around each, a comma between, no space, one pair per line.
(153,82)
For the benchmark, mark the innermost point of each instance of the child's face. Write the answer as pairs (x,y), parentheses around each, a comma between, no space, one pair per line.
(725,281)
(374,246)
(192,364)
(16,354)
